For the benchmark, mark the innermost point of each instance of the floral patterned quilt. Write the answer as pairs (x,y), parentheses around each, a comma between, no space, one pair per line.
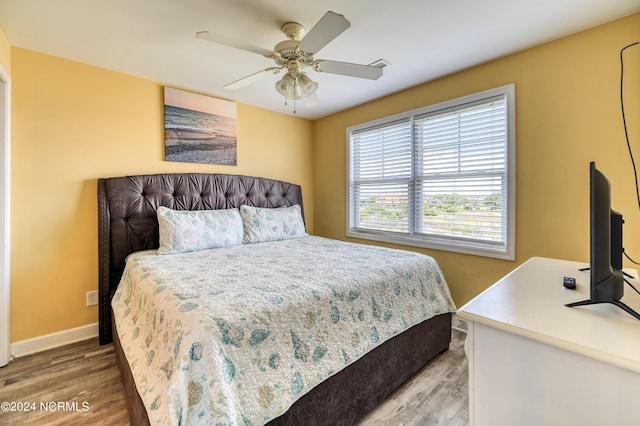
(235,335)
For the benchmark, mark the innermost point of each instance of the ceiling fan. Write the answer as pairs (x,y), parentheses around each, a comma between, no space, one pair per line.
(297,53)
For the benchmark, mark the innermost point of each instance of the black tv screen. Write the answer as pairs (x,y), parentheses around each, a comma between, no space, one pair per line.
(607,282)
(606,249)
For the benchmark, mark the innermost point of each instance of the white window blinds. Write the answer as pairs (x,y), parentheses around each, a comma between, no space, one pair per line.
(437,177)
(461,172)
(382,165)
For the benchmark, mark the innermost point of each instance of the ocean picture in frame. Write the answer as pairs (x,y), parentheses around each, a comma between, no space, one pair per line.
(199,129)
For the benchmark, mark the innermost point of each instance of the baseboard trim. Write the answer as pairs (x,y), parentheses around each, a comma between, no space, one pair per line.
(53,340)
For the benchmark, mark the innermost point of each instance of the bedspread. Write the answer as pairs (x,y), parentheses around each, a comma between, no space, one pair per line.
(235,335)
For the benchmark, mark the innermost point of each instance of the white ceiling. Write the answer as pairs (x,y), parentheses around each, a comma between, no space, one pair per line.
(421,39)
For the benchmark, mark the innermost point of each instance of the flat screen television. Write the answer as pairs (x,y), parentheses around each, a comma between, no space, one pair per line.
(607,278)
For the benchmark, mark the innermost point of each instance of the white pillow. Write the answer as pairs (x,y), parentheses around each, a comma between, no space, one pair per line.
(264,224)
(183,230)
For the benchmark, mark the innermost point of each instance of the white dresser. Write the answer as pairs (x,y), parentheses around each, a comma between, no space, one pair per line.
(534,361)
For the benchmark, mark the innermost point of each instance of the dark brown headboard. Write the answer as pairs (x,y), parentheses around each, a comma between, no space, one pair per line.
(127,220)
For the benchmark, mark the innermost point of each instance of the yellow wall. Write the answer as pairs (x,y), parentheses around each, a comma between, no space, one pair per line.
(567,114)
(73,123)
(5,52)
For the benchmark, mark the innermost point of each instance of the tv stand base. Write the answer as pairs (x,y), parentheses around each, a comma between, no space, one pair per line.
(614,302)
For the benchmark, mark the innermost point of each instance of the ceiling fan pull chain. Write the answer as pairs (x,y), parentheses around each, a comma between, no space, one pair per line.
(295,82)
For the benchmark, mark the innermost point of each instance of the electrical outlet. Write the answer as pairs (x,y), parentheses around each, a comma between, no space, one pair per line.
(92,298)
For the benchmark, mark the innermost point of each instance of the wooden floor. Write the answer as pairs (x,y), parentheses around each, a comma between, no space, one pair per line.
(79,384)
(437,395)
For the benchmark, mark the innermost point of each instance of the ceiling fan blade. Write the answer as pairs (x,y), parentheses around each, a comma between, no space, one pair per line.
(330,26)
(345,68)
(238,44)
(245,81)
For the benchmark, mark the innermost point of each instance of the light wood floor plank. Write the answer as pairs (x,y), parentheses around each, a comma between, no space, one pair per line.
(436,395)
(85,372)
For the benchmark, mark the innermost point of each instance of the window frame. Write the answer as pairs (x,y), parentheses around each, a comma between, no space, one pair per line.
(452,244)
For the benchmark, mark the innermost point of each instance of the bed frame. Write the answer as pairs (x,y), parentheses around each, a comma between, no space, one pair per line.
(127,223)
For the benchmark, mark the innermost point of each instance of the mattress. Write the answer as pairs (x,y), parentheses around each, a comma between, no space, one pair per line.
(235,335)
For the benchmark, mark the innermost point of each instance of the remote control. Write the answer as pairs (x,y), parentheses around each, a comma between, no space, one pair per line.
(569,283)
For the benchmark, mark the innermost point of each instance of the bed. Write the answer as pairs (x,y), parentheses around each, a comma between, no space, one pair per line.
(344,382)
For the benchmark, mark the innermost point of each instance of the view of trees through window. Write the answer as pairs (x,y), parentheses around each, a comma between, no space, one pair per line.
(449,214)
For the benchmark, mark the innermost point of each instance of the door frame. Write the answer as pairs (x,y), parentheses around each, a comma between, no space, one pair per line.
(5,218)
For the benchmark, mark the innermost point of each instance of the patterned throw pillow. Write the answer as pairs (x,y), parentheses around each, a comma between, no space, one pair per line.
(182,230)
(263,224)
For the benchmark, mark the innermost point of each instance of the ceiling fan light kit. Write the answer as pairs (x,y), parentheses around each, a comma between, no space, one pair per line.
(295,54)
(296,88)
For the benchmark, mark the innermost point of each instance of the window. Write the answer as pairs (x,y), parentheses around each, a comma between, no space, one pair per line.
(441,177)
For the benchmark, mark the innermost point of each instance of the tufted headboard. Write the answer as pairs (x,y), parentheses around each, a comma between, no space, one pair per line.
(127,220)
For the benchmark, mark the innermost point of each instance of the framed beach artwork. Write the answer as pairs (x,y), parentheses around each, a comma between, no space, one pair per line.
(199,129)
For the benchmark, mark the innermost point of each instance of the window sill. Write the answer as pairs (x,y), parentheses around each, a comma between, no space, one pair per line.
(464,247)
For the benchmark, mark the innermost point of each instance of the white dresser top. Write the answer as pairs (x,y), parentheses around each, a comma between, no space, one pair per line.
(530,302)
